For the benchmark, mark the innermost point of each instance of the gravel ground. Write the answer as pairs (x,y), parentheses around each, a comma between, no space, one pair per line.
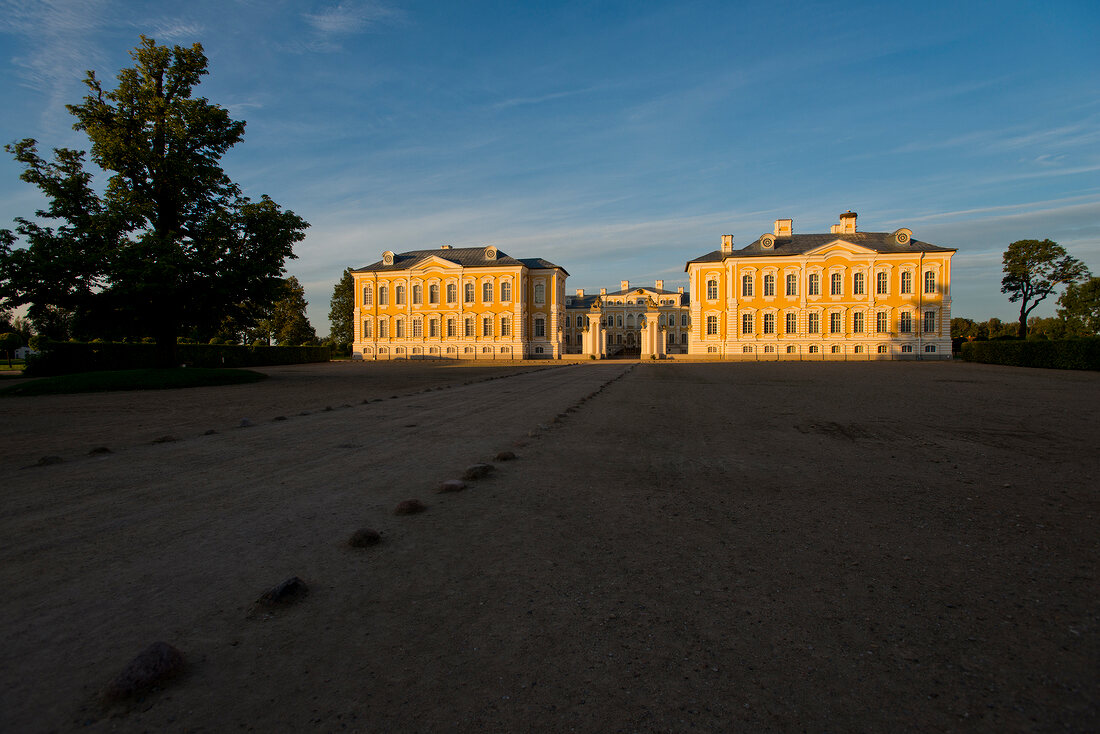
(720,547)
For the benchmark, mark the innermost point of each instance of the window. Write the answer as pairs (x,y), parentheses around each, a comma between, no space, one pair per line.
(907,349)
(835,349)
(486,325)
(769,349)
(433,293)
(566,340)
(399,295)
(929,282)
(790,350)
(835,284)
(450,327)
(815,284)
(792,284)
(906,282)
(769,285)
(567,320)
(367,295)
(712,325)
(383,328)
(880,284)
(418,294)
(880,322)
(433,327)
(383,296)
(857,322)
(930,348)
(746,350)
(881,349)
(746,286)
(540,294)
(813,323)
(418,328)
(857,284)
(746,323)
(630,321)
(469,326)
(366,329)
(620,321)
(452,293)
(905,324)
(506,291)
(399,328)
(769,323)
(540,326)
(834,323)
(684,338)
(671,319)
(858,349)
(468,292)
(813,349)
(712,350)
(505,326)
(712,290)
(792,323)
(683,319)
(929,322)
(487,292)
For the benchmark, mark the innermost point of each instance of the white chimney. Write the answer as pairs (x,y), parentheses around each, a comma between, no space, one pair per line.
(848,222)
(660,285)
(784,227)
(727,244)
(624,285)
(580,293)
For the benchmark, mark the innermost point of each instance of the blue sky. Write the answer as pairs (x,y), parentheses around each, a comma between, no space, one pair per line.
(617,139)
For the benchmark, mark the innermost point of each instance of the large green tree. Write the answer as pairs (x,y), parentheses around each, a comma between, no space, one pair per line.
(171,244)
(285,322)
(1080,307)
(1033,269)
(341,313)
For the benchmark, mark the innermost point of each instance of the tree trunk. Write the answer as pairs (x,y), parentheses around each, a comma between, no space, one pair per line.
(1022,331)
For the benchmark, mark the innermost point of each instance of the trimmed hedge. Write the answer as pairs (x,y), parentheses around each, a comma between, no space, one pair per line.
(1063,354)
(62,358)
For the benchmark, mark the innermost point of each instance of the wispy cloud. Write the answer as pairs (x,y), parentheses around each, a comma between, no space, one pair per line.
(347,18)
(539,99)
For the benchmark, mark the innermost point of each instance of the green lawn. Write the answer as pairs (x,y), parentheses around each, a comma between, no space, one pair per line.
(148,379)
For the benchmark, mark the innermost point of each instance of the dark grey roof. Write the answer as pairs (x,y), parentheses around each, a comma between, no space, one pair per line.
(467,257)
(800,244)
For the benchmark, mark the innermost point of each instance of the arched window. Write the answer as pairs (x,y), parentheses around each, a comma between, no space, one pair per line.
(540,294)
(746,323)
(813,323)
(399,295)
(857,284)
(487,292)
(769,323)
(929,282)
(814,286)
(712,325)
(746,286)
(792,323)
(506,291)
(880,283)
(383,296)
(769,285)
(418,294)
(368,295)
(540,327)
(712,289)
(620,321)
(906,282)
(567,321)
(468,292)
(433,293)
(835,284)
(452,293)
(792,284)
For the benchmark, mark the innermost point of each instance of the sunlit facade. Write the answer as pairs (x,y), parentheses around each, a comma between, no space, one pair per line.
(458,303)
(845,294)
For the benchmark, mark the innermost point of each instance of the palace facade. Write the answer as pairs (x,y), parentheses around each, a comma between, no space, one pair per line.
(844,294)
(458,303)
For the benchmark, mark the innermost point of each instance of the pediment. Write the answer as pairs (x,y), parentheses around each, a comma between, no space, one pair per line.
(840,247)
(434,261)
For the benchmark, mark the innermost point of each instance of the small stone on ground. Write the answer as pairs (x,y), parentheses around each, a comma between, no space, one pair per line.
(287,592)
(364,537)
(409,507)
(477,471)
(506,456)
(452,485)
(156,664)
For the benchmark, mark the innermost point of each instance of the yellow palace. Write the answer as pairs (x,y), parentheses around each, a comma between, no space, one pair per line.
(841,295)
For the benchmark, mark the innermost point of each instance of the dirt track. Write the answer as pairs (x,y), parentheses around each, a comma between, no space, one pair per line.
(873,547)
